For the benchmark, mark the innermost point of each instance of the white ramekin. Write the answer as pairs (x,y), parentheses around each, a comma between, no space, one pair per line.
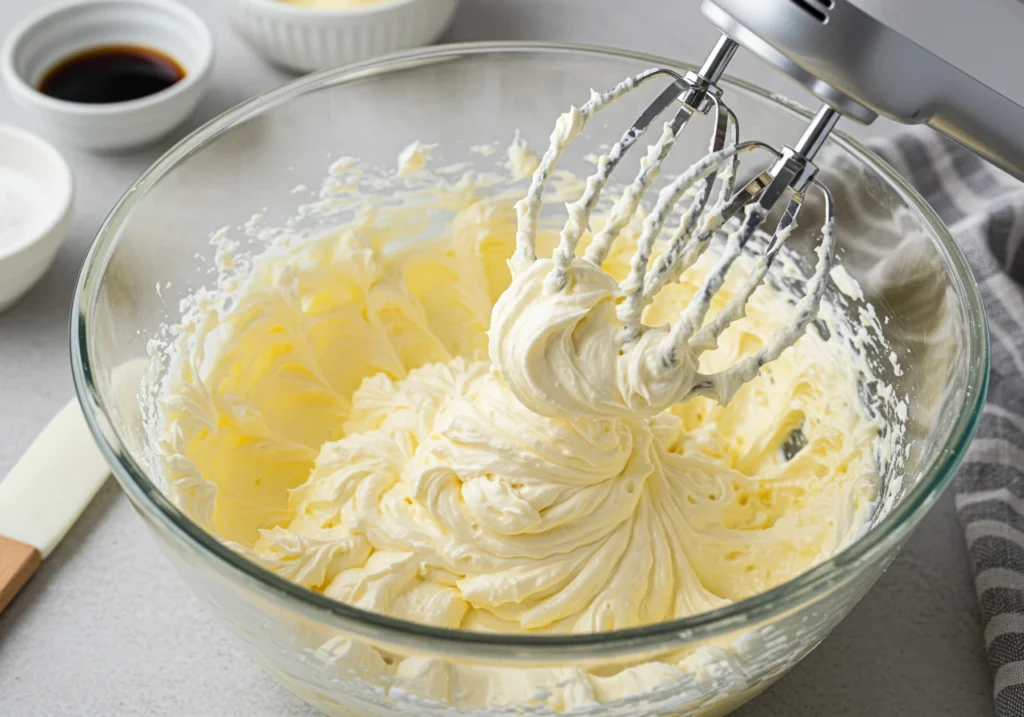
(304,39)
(56,32)
(22,264)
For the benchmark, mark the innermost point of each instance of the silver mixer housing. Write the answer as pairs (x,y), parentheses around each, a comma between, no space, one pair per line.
(952,64)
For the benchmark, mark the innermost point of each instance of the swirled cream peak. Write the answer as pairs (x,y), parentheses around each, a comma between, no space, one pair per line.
(340,422)
(561,352)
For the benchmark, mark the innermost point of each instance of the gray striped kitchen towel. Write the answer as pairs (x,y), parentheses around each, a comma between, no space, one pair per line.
(984,209)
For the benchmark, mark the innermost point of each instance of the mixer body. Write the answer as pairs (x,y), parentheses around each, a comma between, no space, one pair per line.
(946,63)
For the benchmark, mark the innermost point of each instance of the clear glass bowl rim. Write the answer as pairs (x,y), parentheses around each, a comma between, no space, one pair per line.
(939,467)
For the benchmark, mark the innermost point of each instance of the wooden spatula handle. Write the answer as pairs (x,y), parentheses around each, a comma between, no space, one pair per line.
(18,562)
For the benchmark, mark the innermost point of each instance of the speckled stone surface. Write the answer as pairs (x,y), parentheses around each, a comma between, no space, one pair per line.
(107,628)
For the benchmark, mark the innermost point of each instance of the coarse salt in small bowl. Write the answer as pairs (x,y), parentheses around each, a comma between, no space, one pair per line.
(319,35)
(36,192)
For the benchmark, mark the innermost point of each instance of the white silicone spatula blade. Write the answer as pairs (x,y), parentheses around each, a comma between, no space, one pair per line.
(44,494)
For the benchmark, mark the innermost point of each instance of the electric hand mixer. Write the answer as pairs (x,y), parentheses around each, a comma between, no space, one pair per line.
(942,63)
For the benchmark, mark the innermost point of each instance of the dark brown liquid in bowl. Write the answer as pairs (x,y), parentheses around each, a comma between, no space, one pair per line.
(116,73)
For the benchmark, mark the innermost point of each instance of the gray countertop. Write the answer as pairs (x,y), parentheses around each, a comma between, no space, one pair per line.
(106,627)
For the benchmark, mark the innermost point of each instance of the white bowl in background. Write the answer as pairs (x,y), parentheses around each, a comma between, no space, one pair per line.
(24,262)
(57,32)
(304,39)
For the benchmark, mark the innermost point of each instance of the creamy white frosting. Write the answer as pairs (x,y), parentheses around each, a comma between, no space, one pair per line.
(331,413)
(384,437)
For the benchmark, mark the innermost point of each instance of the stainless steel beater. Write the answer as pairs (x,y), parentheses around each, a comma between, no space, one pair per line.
(792,172)
(782,32)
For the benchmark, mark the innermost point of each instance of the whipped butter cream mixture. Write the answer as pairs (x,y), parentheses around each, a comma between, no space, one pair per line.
(333,413)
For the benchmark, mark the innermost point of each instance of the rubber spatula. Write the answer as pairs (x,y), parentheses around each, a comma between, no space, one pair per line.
(44,494)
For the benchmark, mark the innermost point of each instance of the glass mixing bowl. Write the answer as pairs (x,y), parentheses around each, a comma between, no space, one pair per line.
(154,249)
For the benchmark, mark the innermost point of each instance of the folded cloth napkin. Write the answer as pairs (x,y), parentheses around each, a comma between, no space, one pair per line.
(984,209)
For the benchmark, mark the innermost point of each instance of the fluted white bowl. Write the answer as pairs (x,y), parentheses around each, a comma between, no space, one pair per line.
(305,39)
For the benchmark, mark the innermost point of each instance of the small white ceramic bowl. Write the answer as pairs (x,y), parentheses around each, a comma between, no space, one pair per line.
(24,262)
(304,39)
(59,31)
